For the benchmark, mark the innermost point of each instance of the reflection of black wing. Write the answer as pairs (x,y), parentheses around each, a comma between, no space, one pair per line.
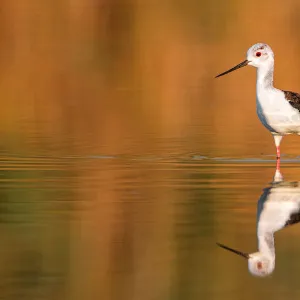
(294,219)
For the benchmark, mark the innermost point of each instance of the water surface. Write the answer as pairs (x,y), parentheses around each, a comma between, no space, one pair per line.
(137,227)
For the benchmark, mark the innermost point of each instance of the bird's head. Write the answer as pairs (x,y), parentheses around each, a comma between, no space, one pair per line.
(258,264)
(258,55)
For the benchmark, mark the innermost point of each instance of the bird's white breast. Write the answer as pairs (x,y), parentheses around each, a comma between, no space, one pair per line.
(281,203)
(275,112)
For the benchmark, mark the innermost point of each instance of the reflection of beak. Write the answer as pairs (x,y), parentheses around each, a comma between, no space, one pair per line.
(242,64)
(245,255)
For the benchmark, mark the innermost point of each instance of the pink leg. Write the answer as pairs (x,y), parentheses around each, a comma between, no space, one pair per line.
(278,163)
(278,152)
(277,140)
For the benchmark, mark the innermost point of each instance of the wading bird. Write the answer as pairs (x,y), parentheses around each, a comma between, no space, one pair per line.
(278,110)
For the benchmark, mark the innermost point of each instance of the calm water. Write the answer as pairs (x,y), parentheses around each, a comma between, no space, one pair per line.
(138,227)
(123,161)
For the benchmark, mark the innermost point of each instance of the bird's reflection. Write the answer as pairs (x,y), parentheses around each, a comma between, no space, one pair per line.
(278,207)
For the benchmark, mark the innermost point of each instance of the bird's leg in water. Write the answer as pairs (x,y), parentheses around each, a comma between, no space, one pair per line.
(278,152)
(277,140)
(278,164)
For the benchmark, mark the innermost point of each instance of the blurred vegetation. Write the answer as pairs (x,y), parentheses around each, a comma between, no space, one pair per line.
(112,76)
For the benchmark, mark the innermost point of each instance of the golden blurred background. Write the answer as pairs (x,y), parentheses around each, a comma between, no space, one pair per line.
(121,76)
(108,108)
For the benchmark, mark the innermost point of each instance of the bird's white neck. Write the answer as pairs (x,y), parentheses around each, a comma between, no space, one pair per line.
(266,245)
(265,76)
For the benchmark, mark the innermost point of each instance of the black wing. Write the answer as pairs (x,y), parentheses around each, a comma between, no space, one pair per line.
(293,99)
(294,219)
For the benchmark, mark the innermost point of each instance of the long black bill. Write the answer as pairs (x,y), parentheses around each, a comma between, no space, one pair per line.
(245,255)
(242,64)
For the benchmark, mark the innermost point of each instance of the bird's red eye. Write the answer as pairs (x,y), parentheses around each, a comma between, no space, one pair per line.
(259,265)
(258,54)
